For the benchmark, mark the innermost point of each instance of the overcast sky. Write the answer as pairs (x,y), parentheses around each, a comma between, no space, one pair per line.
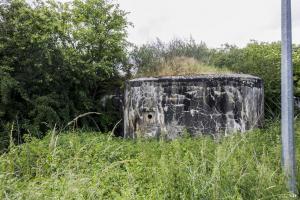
(213,21)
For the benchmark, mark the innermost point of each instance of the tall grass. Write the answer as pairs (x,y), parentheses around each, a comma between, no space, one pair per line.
(181,66)
(91,166)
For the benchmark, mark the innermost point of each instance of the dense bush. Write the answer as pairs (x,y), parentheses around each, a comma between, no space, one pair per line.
(148,57)
(92,166)
(57,60)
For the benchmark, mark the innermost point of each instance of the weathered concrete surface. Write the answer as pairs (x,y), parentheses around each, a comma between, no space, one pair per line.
(206,104)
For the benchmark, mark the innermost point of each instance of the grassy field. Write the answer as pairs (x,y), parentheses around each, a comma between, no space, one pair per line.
(85,165)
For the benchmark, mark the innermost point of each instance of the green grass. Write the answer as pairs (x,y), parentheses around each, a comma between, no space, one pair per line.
(85,165)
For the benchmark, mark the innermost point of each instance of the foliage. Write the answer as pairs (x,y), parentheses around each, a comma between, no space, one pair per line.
(57,60)
(91,166)
(296,66)
(149,58)
(181,66)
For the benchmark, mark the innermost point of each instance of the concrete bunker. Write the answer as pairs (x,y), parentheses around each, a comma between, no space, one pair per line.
(204,104)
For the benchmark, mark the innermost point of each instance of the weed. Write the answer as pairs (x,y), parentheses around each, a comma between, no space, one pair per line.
(85,165)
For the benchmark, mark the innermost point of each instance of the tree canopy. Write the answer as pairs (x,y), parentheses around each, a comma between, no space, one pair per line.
(57,60)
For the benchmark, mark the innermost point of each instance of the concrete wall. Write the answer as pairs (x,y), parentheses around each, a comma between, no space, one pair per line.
(206,104)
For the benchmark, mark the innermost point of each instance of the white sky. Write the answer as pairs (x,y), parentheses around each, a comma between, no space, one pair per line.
(213,21)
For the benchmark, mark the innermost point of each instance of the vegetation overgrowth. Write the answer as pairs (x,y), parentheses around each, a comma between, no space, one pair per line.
(87,165)
(182,66)
(57,61)
(62,59)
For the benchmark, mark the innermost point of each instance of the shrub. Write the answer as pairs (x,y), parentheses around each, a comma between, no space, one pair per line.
(150,57)
(57,60)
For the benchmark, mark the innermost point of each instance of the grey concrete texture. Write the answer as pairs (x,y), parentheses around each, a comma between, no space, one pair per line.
(171,107)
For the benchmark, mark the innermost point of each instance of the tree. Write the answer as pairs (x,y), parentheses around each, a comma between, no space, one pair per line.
(57,59)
